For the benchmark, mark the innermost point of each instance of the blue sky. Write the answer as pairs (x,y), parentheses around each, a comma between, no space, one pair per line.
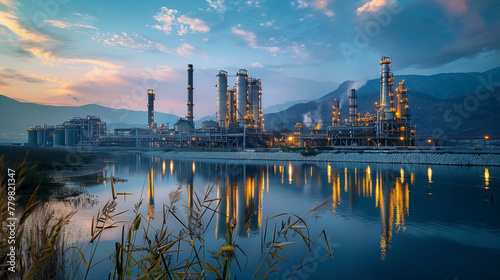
(68,52)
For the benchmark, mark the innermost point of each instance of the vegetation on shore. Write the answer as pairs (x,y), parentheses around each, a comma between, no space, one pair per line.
(146,251)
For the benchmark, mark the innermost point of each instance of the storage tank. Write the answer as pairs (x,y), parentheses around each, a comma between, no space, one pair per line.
(40,137)
(70,136)
(253,99)
(241,95)
(209,125)
(32,137)
(58,137)
(222,98)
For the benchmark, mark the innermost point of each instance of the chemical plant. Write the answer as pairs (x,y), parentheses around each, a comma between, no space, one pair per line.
(240,122)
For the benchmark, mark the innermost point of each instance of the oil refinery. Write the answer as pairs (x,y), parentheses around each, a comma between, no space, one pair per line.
(240,122)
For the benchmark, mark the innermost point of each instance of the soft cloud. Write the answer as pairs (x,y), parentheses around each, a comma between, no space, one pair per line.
(257,65)
(67,25)
(251,39)
(185,50)
(457,7)
(217,5)
(169,20)
(374,6)
(11,74)
(11,20)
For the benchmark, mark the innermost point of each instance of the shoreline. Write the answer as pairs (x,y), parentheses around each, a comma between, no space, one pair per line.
(457,158)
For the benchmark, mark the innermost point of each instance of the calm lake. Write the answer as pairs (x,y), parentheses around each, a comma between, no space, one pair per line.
(382,221)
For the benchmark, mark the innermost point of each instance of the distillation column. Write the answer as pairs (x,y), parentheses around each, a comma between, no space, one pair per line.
(336,113)
(190,88)
(352,106)
(241,96)
(253,100)
(385,85)
(151,109)
(222,98)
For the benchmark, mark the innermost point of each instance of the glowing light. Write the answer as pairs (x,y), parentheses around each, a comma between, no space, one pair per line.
(164,166)
(402,175)
(329,172)
(171,167)
(290,138)
(486,137)
(486,177)
(194,167)
(290,173)
(429,174)
(429,141)
(401,138)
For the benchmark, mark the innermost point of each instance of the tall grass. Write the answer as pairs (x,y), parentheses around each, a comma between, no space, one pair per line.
(38,233)
(146,250)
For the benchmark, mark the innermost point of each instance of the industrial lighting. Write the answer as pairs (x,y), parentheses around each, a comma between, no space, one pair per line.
(429,141)
(486,137)
(401,138)
(290,138)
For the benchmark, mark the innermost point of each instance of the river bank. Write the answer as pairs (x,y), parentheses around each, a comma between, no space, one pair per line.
(446,157)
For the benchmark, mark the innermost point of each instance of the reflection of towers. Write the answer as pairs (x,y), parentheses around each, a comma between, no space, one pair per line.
(243,194)
(394,203)
(151,194)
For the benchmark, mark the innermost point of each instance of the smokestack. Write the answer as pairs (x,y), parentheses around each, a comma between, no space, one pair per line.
(241,96)
(385,88)
(221,98)
(190,88)
(253,99)
(352,106)
(151,109)
(336,113)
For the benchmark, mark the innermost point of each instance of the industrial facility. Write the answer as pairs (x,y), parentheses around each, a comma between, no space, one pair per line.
(240,122)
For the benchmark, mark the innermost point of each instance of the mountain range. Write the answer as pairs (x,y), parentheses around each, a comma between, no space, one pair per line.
(442,105)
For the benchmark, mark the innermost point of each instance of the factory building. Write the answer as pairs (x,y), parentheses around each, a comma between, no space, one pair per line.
(240,122)
(76,131)
(241,105)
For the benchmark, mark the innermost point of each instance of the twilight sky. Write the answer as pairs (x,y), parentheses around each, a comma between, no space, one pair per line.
(69,52)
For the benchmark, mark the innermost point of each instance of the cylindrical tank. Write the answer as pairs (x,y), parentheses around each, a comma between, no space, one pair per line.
(40,137)
(221,98)
(58,137)
(231,106)
(32,137)
(253,99)
(352,105)
(241,95)
(70,137)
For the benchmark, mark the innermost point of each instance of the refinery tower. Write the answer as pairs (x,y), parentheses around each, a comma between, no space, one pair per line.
(240,105)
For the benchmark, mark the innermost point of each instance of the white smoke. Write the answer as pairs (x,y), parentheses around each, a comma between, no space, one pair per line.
(311,119)
(355,85)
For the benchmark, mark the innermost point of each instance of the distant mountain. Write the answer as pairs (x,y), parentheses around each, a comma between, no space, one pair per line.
(16,117)
(443,101)
(283,106)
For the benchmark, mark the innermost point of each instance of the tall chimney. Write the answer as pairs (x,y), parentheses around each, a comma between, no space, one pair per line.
(151,109)
(190,88)
(336,113)
(221,98)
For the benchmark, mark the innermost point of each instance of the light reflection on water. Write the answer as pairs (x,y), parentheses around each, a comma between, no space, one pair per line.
(393,218)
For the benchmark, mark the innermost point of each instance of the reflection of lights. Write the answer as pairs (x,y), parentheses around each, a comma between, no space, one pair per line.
(412,178)
(345,177)
(311,171)
(290,173)
(282,172)
(429,174)
(164,166)
(486,177)
(171,167)
(329,172)
(194,167)
(402,172)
